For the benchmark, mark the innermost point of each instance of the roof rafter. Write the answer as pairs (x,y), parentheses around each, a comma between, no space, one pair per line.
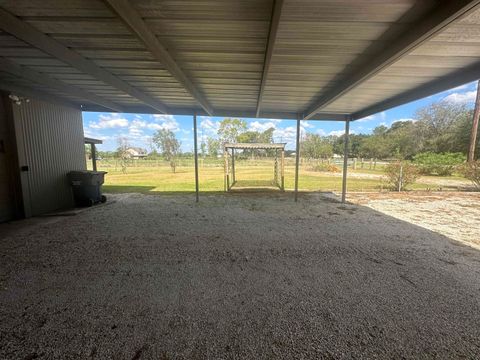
(131,17)
(457,78)
(443,15)
(34,37)
(43,79)
(272,37)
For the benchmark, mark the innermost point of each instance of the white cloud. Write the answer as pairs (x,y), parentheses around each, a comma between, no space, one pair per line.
(262,126)
(109,122)
(336,132)
(461,98)
(167,122)
(381,116)
(339,132)
(459,88)
(403,119)
(307,125)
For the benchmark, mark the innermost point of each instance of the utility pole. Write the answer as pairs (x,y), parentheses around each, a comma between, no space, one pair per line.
(473,135)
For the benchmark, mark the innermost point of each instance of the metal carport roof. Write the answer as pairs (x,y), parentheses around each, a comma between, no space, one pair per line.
(307,59)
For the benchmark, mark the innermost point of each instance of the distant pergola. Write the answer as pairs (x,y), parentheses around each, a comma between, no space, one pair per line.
(229,166)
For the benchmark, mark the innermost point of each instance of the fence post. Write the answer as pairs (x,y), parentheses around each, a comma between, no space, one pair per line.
(400,180)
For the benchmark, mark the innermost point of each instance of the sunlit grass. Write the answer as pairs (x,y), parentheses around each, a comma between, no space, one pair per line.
(156,176)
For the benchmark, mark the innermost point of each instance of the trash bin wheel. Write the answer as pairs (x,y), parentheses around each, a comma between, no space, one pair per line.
(103,199)
(90,202)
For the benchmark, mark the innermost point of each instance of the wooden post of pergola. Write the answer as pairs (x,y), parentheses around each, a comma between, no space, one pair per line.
(93,150)
(279,164)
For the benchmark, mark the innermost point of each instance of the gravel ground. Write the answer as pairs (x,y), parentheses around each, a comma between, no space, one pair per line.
(235,277)
(453,214)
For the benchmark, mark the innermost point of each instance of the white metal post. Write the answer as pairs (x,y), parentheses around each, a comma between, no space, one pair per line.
(195,149)
(345,161)
(297,158)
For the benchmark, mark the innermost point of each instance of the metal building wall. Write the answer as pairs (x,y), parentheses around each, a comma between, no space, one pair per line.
(50,143)
(6,203)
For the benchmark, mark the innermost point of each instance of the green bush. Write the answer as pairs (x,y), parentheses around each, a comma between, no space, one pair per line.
(443,164)
(471,171)
(400,174)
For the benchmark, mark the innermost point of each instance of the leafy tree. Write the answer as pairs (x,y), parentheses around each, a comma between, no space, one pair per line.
(442,125)
(257,137)
(213,146)
(376,146)
(354,143)
(315,146)
(168,145)
(404,139)
(229,130)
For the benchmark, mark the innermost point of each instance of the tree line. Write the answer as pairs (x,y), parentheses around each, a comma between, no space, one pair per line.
(441,127)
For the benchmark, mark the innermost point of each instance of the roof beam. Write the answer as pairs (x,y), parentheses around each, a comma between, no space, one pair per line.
(31,35)
(457,78)
(130,16)
(231,113)
(272,37)
(446,12)
(43,79)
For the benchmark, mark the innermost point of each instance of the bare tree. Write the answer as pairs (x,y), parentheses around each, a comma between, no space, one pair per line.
(122,153)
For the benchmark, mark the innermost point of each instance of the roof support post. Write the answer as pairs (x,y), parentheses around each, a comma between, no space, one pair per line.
(345,160)
(297,157)
(195,151)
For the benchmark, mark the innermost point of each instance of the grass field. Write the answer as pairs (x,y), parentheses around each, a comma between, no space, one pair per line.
(152,176)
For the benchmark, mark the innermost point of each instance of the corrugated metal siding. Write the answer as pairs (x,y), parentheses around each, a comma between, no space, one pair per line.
(6,203)
(51,145)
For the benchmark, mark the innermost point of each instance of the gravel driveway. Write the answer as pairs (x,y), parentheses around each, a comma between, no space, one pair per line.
(235,277)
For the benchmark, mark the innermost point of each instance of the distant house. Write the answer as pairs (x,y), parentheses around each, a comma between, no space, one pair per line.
(136,153)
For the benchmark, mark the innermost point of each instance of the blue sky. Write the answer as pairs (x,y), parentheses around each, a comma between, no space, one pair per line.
(139,128)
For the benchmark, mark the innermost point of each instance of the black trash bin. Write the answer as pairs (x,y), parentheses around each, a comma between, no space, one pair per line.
(87,187)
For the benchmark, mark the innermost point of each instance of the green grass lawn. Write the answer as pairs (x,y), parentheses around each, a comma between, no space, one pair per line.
(156,176)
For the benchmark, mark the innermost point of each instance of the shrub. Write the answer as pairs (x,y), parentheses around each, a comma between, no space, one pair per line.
(471,171)
(326,167)
(400,174)
(438,164)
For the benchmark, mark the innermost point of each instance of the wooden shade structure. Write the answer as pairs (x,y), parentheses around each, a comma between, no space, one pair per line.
(229,166)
